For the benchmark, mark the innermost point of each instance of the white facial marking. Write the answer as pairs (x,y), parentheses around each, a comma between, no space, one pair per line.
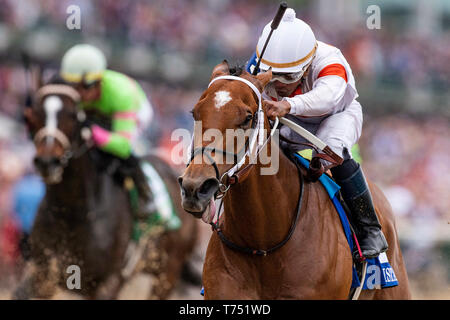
(222,98)
(52,105)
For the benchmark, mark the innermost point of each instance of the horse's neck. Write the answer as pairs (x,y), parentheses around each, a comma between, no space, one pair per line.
(260,210)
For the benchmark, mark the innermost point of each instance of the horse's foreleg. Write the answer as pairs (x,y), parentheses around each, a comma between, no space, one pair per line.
(109,289)
(39,281)
(156,263)
(161,287)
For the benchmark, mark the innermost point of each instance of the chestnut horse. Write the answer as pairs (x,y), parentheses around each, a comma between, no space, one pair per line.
(85,219)
(260,210)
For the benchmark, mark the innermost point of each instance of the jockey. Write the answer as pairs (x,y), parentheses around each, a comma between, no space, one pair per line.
(117,97)
(313,85)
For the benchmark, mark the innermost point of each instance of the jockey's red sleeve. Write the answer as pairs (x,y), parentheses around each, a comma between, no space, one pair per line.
(335,69)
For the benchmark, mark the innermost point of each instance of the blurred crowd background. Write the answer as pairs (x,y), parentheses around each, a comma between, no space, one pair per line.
(402,75)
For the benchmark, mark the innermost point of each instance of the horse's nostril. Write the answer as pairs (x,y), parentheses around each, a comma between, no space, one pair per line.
(37,162)
(180,182)
(55,161)
(46,161)
(208,188)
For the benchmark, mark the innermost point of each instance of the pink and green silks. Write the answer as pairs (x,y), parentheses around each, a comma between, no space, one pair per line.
(121,98)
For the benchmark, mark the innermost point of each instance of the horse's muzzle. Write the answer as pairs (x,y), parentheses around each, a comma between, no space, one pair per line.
(50,168)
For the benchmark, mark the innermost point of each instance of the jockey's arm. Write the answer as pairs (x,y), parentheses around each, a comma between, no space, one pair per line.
(117,141)
(324,98)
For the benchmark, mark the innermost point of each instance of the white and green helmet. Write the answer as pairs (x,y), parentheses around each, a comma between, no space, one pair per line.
(83,62)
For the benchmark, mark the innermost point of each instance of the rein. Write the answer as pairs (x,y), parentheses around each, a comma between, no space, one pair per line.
(262,252)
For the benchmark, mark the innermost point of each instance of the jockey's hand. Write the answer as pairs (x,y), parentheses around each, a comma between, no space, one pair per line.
(276,108)
(99,135)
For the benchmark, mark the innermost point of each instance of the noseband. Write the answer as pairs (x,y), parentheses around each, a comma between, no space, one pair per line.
(223,188)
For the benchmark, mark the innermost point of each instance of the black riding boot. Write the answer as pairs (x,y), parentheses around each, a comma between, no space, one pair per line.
(356,194)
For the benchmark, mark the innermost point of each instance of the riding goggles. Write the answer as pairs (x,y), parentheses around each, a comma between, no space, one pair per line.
(288,78)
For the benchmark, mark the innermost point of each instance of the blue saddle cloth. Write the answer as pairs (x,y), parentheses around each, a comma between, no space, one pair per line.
(379,272)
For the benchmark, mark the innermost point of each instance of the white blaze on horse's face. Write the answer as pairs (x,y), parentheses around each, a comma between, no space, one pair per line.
(222,98)
(52,105)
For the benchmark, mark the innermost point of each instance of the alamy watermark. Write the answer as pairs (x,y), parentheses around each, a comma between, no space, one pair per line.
(74,280)
(73,21)
(374,275)
(374,19)
(225,148)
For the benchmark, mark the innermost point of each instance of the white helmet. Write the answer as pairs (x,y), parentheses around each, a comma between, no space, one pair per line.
(83,62)
(291,48)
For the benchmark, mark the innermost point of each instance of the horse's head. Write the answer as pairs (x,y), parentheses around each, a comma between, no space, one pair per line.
(54,121)
(225,111)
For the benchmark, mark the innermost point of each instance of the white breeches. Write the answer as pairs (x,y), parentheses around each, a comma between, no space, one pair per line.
(340,130)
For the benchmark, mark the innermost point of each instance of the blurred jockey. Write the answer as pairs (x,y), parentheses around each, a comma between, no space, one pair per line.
(116,97)
(313,85)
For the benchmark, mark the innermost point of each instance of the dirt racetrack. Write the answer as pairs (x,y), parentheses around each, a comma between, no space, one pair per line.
(139,285)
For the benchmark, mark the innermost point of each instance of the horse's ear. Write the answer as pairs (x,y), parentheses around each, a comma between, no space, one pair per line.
(265,77)
(222,69)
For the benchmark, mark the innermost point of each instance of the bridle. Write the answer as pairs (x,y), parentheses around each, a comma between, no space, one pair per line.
(252,148)
(58,135)
(255,145)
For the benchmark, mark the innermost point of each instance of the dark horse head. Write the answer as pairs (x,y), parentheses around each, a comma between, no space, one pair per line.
(85,217)
(55,123)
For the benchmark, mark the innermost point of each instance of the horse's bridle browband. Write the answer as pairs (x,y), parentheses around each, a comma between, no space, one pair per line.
(60,89)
